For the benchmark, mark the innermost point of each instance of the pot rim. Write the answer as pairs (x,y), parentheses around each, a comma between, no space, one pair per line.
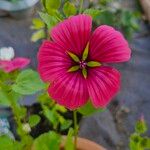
(83,142)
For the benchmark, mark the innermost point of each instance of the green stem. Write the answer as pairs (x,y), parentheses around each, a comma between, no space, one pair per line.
(15,110)
(75,129)
(81,5)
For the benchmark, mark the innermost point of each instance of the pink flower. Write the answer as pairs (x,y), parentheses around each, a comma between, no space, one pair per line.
(73,62)
(11,65)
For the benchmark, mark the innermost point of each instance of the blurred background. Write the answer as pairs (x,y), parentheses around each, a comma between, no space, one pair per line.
(113,127)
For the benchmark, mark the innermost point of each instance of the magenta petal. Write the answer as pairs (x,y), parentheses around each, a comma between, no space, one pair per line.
(73,34)
(103,83)
(17,63)
(53,61)
(69,90)
(109,46)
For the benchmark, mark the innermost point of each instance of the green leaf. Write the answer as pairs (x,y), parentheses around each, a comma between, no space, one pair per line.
(8,144)
(52,4)
(141,126)
(69,9)
(74,68)
(135,140)
(74,57)
(40,34)
(50,115)
(69,145)
(34,120)
(47,141)
(66,124)
(28,82)
(88,109)
(60,108)
(93,64)
(106,17)
(4,99)
(92,12)
(37,23)
(145,143)
(49,20)
(86,51)
(84,72)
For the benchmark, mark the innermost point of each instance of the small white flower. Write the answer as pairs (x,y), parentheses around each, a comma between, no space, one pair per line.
(7,53)
(26,127)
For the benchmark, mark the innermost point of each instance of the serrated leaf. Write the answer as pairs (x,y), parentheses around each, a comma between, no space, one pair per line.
(86,52)
(40,34)
(50,21)
(37,23)
(34,120)
(47,141)
(74,68)
(28,82)
(69,9)
(84,73)
(69,145)
(92,12)
(73,56)
(89,109)
(93,64)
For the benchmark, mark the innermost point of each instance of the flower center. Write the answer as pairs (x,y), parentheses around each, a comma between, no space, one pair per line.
(82,64)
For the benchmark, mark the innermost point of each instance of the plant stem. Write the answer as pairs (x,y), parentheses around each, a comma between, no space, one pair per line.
(14,107)
(81,5)
(75,128)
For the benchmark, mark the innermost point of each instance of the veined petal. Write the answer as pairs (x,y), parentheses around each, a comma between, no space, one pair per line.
(69,90)
(73,34)
(53,61)
(108,45)
(103,83)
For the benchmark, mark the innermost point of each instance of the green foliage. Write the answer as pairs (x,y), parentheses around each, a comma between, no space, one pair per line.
(4,101)
(54,113)
(69,145)
(28,82)
(34,120)
(69,9)
(9,144)
(94,13)
(141,126)
(88,109)
(52,4)
(40,34)
(137,140)
(65,124)
(49,20)
(37,23)
(47,141)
